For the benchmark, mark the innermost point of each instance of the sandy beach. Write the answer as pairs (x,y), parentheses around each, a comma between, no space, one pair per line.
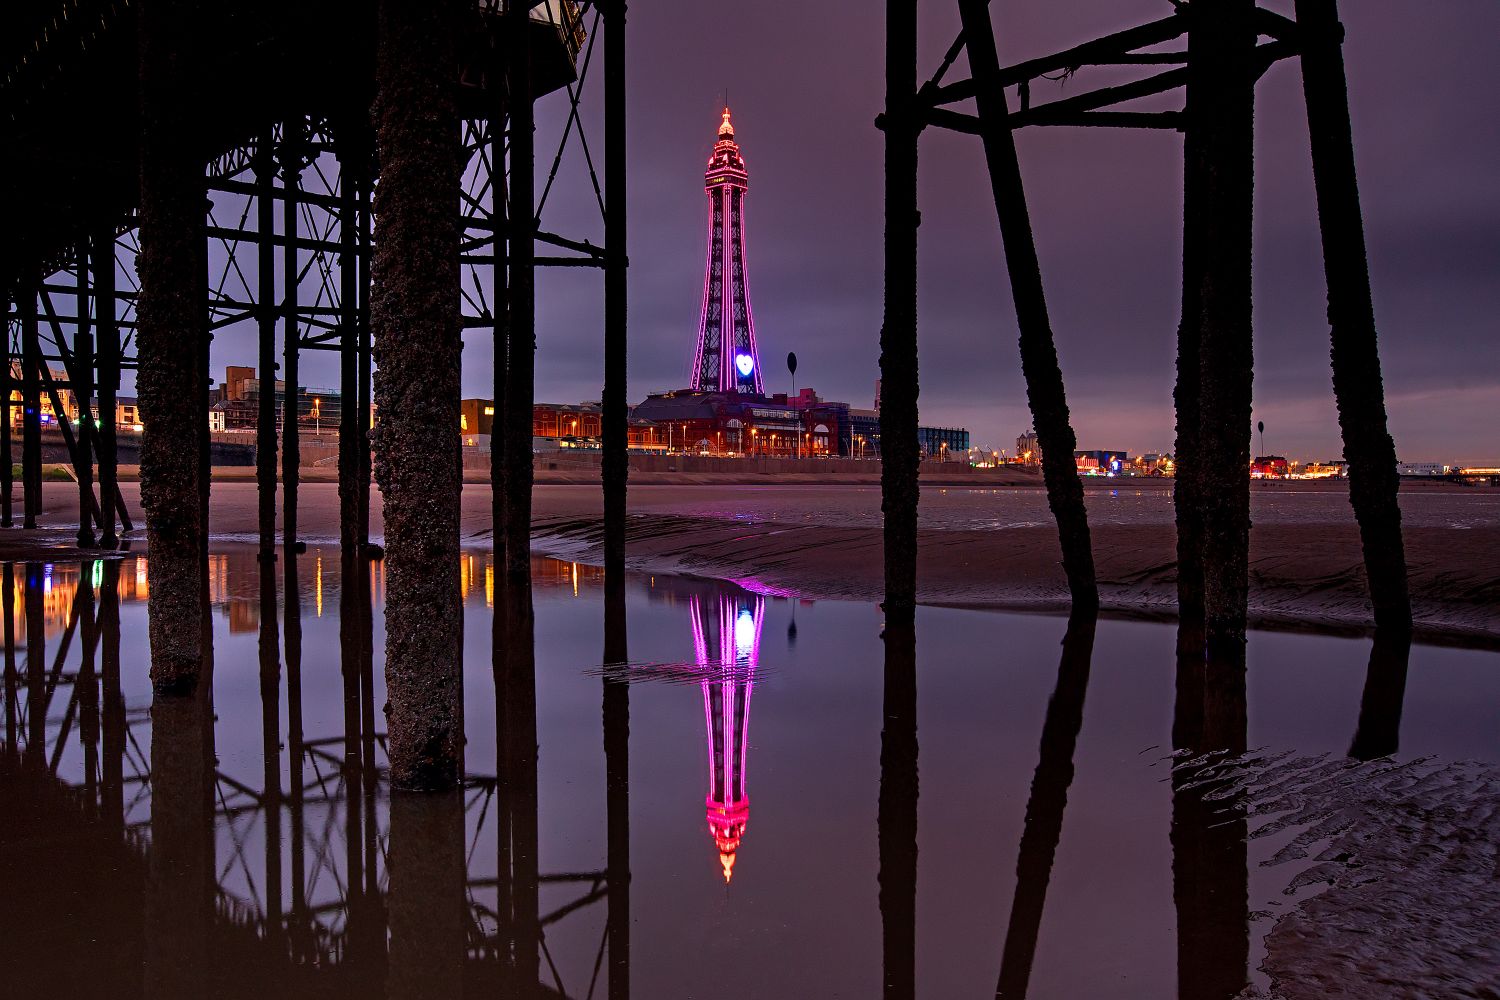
(980,547)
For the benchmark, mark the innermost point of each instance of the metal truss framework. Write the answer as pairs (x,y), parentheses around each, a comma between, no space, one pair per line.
(67,720)
(290,236)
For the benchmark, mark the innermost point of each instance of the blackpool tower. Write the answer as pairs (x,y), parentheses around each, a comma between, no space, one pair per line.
(727,359)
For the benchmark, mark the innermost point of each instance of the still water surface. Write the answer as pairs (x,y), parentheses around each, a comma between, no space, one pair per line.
(769,852)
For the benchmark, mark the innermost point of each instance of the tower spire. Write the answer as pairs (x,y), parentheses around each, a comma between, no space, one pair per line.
(726,359)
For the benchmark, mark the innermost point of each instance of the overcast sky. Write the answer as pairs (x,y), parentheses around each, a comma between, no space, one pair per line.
(805,82)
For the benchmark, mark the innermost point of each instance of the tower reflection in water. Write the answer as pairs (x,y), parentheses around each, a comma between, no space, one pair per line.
(730,626)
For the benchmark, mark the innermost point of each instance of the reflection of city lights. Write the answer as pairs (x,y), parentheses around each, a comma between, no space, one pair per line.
(318,586)
(98,579)
(47,579)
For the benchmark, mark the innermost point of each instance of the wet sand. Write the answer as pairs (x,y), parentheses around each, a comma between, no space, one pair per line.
(825,542)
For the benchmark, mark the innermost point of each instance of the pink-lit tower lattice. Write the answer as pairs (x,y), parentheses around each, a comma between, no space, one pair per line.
(728,680)
(727,359)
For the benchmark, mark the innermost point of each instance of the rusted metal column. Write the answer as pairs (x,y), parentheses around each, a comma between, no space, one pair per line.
(31,401)
(107,346)
(900,457)
(617,787)
(1044,381)
(418,342)
(291,336)
(265,319)
(1357,385)
(171,335)
(897,813)
(521,360)
(349,464)
(1221,103)
(82,378)
(615,462)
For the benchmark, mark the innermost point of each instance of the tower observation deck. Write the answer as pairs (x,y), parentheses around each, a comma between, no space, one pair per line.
(727,359)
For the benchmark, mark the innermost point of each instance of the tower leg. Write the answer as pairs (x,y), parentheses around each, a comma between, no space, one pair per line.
(1044,381)
(1186,482)
(899,488)
(521,357)
(1357,385)
(1221,102)
(615,418)
(265,405)
(365,359)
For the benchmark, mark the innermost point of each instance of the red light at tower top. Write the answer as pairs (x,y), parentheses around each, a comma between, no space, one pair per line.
(727,359)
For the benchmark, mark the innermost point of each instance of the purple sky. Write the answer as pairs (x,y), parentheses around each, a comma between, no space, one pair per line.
(805,82)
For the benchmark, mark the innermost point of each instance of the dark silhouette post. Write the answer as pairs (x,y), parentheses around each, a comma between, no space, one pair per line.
(172,343)
(617,786)
(296,749)
(1221,105)
(291,335)
(615,409)
(418,340)
(87,685)
(897,818)
(1039,365)
(107,339)
(36,666)
(521,357)
(81,374)
(7,469)
(900,458)
(1357,384)
(1186,481)
(426,901)
(500,297)
(351,161)
(266,312)
(1044,809)
(31,400)
(1380,706)
(12,686)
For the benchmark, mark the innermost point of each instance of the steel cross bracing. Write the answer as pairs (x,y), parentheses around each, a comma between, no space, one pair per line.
(1134,47)
(66,717)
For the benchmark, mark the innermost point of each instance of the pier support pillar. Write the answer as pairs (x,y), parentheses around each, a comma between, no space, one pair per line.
(291,337)
(521,356)
(265,320)
(172,340)
(899,488)
(1039,365)
(31,400)
(81,375)
(1220,109)
(418,343)
(616,410)
(107,347)
(1357,385)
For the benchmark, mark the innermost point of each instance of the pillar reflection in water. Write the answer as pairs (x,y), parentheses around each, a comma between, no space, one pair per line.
(897,818)
(426,901)
(617,787)
(180,885)
(516,785)
(1379,732)
(1045,806)
(1210,882)
(728,681)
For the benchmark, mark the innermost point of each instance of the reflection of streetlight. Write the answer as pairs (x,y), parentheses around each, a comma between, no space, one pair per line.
(318,416)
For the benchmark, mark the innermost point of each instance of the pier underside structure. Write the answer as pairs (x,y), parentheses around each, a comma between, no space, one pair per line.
(1211,53)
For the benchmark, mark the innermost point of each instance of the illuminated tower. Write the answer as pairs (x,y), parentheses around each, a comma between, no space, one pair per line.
(727,683)
(727,359)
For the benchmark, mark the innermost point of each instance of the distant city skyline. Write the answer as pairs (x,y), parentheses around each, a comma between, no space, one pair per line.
(806,82)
